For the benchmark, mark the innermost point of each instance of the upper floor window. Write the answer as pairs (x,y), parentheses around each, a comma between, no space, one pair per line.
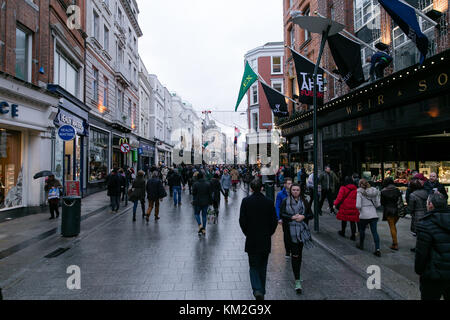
(364,11)
(66,73)
(254,94)
(106,38)
(23,56)
(96,26)
(292,37)
(276,64)
(278,85)
(307,33)
(105,92)
(95,85)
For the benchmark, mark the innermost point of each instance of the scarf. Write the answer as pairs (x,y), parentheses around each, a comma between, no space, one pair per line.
(299,230)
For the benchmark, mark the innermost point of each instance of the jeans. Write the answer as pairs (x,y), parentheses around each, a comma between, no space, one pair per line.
(297,253)
(434,289)
(115,203)
(352,227)
(135,205)
(287,238)
(204,211)
(373,228)
(329,196)
(258,271)
(176,191)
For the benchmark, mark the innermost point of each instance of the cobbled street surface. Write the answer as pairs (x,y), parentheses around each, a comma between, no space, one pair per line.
(166,260)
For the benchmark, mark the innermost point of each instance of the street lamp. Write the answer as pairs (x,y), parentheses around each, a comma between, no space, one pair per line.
(326,27)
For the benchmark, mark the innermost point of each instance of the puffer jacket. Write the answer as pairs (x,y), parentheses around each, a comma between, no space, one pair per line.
(366,201)
(346,201)
(417,207)
(433,246)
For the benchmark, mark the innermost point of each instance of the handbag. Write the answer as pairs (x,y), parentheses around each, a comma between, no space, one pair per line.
(401,207)
(130,192)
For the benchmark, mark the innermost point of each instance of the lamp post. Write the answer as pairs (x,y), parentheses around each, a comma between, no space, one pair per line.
(326,27)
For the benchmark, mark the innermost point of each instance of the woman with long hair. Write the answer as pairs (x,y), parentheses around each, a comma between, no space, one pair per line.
(296,212)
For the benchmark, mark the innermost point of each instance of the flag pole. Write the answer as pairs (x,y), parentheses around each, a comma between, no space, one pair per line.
(420,13)
(328,72)
(262,80)
(354,38)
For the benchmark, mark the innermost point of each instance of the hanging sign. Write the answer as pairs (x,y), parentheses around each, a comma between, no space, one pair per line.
(67,133)
(125,148)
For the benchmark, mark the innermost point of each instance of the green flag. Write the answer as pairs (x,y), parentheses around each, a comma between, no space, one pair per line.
(249,78)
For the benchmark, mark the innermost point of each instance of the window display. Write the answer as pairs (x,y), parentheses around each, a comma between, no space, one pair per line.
(98,155)
(10,169)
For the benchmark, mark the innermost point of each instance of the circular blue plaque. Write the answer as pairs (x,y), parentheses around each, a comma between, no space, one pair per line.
(67,133)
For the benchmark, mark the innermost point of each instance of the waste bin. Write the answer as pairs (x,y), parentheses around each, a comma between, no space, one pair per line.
(269,188)
(71,216)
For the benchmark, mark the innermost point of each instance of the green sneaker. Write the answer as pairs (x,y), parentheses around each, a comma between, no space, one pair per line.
(298,286)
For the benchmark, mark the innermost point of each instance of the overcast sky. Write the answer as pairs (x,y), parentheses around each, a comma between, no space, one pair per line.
(197,47)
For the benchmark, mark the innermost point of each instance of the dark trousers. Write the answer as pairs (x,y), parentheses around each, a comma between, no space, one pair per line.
(216,204)
(434,289)
(135,205)
(352,227)
(227,192)
(287,238)
(362,224)
(297,253)
(326,194)
(258,271)
(54,207)
(115,203)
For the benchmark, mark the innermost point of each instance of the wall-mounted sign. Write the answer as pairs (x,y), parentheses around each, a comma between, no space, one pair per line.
(67,133)
(73,189)
(6,108)
(140,151)
(65,118)
(125,148)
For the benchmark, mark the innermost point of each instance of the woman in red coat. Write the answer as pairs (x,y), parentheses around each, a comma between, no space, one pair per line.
(346,202)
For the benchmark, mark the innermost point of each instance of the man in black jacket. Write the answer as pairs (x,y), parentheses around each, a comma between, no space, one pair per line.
(202,192)
(433,185)
(258,221)
(433,250)
(175,182)
(114,190)
(155,194)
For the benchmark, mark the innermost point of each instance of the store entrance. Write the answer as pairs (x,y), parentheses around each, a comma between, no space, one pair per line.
(10,167)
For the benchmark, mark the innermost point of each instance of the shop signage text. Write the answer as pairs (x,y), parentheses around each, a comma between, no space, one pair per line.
(6,108)
(65,118)
(67,133)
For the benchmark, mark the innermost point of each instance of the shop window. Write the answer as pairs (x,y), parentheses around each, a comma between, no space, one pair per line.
(10,169)
(98,155)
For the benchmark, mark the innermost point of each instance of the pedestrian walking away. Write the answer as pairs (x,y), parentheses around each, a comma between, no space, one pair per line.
(258,221)
(54,188)
(155,194)
(367,202)
(296,213)
(234,178)
(283,194)
(391,197)
(433,249)
(346,205)
(328,181)
(216,191)
(114,184)
(202,194)
(137,193)
(417,206)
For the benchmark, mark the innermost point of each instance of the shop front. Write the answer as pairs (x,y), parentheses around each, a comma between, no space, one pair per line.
(146,153)
(394,127)
(26,122)
(69,164)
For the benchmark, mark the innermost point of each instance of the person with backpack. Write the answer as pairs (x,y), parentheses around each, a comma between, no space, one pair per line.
(155,194)
(347,212)
(367,202)
(54,189)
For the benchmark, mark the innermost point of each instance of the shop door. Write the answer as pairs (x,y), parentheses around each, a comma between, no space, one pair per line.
(10,167)
(69,152)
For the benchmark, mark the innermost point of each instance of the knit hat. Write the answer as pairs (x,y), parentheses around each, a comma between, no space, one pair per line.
(421,177)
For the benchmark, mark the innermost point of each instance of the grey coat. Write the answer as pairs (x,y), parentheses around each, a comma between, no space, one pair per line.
(417,207)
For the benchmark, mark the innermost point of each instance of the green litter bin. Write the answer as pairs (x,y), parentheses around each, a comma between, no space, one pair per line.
(71,216)
(269,188)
